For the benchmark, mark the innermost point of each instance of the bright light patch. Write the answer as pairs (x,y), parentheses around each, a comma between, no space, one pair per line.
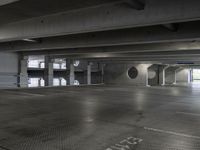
(76,63)
(76,82)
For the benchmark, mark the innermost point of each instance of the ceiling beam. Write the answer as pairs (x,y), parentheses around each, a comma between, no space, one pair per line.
(189,31)
(133,56)
(102,18)
(135,4)
(155,47)
(175,60)
(6,2)
(172,26)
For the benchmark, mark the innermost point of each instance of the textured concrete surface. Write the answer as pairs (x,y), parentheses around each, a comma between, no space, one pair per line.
(100,118)
(8,69)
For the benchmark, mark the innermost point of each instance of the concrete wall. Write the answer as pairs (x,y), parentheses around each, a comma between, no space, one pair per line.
(82,77)
(182,76)
(8,70)
(170,75)
(153,74)
(118,74)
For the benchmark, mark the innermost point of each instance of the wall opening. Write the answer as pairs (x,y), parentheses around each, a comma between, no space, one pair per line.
(132,73)
(59,82)
(196,75)
(36,82)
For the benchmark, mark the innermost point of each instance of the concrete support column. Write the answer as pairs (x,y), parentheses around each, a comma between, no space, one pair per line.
(89,74)
(72,73)
(48,73)
(39,82)
(164,75)
(40,65)
(175,76)
(67,71)
(189,75)
(23,72)
(60,81)
(102,73)
(147,78)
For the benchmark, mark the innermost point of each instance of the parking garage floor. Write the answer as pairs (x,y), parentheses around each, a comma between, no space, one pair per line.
(100,118)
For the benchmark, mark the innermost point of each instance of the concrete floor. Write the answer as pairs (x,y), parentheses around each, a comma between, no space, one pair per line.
(100,118)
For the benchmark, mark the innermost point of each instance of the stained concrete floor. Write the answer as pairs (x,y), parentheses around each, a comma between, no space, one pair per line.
(100,118)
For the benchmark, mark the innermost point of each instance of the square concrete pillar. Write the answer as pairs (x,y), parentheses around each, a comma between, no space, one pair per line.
(164,75)
(147,78)
(163,83)
(89,74)
(102,73)
(189,75)
(67,71)
(60,81)
(72,73)
(23,72)
(48,71)
(39,82)
(175,77)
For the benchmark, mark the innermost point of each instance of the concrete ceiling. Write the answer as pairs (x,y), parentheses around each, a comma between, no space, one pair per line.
(151,30)
(26,9)
(103,17)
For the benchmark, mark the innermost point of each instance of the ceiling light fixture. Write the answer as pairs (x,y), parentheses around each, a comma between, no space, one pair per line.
(29,40)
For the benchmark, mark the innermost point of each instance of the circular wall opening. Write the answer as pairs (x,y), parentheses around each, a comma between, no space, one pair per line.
(132,73)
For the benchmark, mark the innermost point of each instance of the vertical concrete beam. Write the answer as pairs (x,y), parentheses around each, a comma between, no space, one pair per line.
(39,82)
(192,75)
(147,78)
(164,75)
(40,65)
(89,74)
(175,76)
(189,75)
(60,81)
(72,73)
(67,71)
(23,72)
(102,73)
(48,73)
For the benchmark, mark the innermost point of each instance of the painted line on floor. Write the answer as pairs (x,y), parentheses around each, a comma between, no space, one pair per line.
(186,113)
(24,93)
(33,94)
(172,133)
(126,144)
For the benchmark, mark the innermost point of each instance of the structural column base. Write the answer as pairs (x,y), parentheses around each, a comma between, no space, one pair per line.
(23,80)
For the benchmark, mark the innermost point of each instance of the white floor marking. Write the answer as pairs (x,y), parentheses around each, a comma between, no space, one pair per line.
(172,133)
(126,144)
(31,94)
(25,93)
(186,113)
